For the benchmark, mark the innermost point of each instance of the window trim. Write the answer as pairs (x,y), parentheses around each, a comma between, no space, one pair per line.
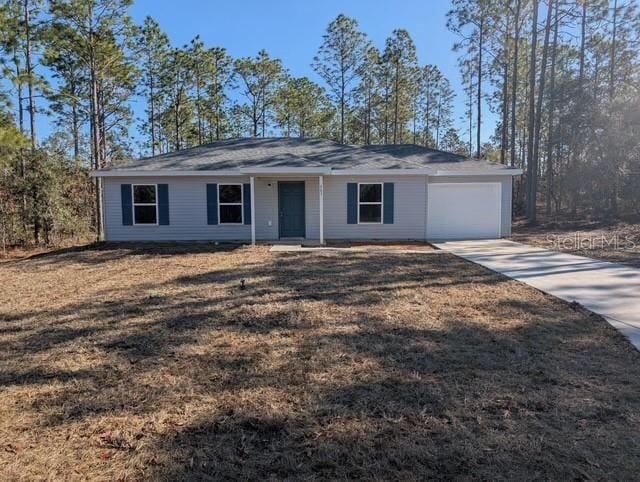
(134,204)
(368,203)
(241,203)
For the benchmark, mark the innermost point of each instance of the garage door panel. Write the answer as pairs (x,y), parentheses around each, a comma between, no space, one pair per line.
(464,211)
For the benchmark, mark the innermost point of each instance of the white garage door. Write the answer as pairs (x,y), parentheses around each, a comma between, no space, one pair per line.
(464,210)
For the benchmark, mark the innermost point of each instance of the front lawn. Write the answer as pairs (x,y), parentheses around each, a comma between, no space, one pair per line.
(153,362)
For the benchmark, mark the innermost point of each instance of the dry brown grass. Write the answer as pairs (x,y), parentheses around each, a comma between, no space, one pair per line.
(382,245)
(618,243)
(150,362)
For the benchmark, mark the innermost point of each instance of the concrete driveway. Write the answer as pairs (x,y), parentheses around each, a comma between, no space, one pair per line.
(609,289)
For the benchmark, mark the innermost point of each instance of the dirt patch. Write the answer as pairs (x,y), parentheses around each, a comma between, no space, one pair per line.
(153,362)
(619,243)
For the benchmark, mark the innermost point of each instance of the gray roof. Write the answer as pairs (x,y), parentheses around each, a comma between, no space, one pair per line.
(248,153)
(420,156)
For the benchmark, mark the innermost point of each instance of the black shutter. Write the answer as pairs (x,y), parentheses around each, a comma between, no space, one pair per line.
(388,203)
(352,203)
(163,204)
(212,204)
(246,201)
(127,204)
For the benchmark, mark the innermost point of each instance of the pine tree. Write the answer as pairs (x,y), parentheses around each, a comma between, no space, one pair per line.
(68,100)
(401,58)
(444,108)
(366,94)
(220,78)
(338,60)
(431,80)
(178,113)
(302,108)
(260,78)
(451,142)
(153,46)
(98,34)
(472,20)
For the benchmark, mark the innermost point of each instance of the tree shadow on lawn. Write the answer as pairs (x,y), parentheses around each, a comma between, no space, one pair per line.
(325,366)
(104,252)
(447,403)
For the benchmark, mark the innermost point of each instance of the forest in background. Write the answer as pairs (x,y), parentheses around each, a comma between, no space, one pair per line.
(562,75)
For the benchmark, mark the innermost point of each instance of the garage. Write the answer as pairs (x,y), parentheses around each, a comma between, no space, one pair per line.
(464,210)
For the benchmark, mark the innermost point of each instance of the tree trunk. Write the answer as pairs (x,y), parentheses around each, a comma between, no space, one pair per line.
(520,194)
(369,107)
(152,114)
(612,58)
(216,89)
(470,117)
(505,95)
(255,119)
(427,112)
(103,124)
(95,124)
(75,131)
(414,123)
(217,121)
(198,106)
(32,115)
(538,120)
(514,83)
(263,111)
(438,115)
(386,114)
(342,102)
(30,80)
(552,108)
(479,94)
(583,37)
(614,148)
(396,104)
(23,164)
(532,168)
(576,141)
(19,84)
(176,109)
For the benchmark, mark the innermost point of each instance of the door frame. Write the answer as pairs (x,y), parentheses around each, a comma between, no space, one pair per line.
(304,208)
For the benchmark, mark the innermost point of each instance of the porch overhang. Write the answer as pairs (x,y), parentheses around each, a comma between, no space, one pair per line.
(287,171)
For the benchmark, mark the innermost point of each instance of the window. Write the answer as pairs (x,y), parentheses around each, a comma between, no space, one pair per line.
(370,203)
(230,203)
(145,204)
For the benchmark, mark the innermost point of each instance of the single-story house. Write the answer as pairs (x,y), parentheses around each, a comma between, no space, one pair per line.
(307,189)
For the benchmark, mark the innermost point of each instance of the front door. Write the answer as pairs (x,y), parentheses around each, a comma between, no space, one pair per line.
(291,209)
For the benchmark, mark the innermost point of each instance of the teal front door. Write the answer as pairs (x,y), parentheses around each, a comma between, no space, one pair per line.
(291,223)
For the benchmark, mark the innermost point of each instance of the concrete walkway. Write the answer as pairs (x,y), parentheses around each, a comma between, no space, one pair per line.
(609,289)
(298,248)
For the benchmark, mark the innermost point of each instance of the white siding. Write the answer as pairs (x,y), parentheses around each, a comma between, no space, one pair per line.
(187,212)
(188,209)
(409,209)
(266,208)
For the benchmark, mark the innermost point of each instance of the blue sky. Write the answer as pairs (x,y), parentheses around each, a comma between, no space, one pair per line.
(292,30)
